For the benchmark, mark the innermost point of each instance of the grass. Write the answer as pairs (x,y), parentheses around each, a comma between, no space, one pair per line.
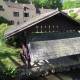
(9,56)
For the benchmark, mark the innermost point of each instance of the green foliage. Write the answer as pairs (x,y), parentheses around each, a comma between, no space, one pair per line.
(43,3)
(8,57)
(77,19)
(7,53)
(67,4)
(8,73)
(2,25)
(48,3)
(74,16)
(61,4)
(77,3)
(13,41)
(3,20)
(2,32)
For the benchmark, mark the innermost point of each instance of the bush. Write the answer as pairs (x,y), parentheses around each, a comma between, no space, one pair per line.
(13,41)
(77,19)
(8,74)
(2,25)
(74,16)
(2,30)
(6,54)
(10,40)
(3,20)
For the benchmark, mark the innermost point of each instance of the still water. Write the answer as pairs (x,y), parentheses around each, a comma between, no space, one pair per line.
(72,75)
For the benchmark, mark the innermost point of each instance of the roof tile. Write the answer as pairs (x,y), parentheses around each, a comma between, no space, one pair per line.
(19,5)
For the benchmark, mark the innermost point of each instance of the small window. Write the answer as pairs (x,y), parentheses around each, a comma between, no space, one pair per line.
(26,14)
(24,8)
(1,7)
(16,14)
(18,22)
(12,21)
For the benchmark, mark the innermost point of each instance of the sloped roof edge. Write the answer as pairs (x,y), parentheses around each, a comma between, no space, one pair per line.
(32,22)
(19,5)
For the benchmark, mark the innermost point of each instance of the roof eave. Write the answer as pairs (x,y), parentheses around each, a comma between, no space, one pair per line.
(11,34)
(35,22)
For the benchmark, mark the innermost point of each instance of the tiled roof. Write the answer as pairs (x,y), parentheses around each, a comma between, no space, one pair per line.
(42,10)
(20,5)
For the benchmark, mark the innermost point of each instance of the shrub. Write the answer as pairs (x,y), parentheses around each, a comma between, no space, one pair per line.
(10,40)
(77,19)
(8,74)
(4,20)
(2,25)
(74,16)
(13,41)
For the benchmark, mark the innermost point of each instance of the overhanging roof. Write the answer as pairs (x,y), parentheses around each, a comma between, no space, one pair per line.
(62,44)
(34,21)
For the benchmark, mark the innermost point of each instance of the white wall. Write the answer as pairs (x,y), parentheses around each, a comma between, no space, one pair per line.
(8,13)
(32,13)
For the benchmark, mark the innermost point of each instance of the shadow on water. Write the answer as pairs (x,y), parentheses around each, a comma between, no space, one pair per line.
(71,75)
(58,76)
(75,74)
(40,78)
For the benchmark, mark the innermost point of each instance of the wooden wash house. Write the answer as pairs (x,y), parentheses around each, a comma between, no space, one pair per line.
(52,37)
